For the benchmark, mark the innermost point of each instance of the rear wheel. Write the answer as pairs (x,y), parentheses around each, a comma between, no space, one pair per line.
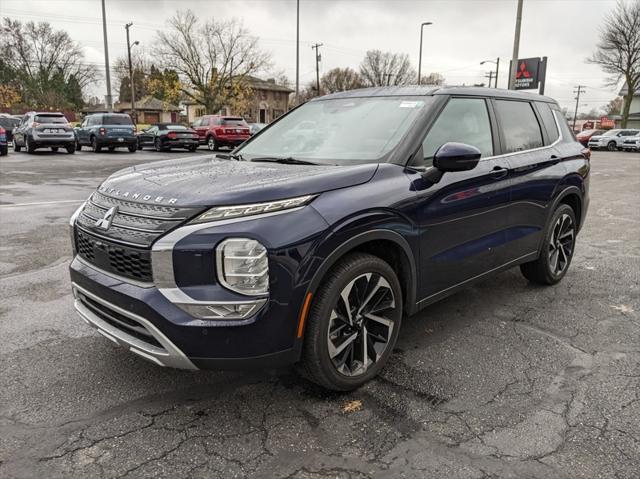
(71,149)
(353,323)
(94,145)
(16,147)
(211,144)
(158,145)
(557,249)
(78,146)
(31,148)
(132,148)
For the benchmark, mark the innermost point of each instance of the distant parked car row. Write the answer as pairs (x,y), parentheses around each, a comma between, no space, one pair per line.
(612,140)
(100,131)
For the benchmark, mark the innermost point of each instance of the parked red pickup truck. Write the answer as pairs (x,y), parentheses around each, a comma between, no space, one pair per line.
(216,131)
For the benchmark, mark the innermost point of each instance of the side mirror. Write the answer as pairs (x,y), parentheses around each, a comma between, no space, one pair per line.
(456,157)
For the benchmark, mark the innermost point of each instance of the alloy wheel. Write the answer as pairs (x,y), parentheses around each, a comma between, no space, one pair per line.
(612,146)
(561,244)
(361,324)
(211,144)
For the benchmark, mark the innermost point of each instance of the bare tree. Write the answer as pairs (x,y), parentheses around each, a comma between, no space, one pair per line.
(212,58)
(433,79)
(48,64)
(613,107)
(340,79)
(618,51)
(385,68)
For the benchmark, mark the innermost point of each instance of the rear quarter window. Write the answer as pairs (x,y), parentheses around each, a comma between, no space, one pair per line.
(548,121)
(567,133)
(520,127)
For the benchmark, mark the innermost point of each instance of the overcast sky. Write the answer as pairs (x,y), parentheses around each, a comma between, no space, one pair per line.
(464,32)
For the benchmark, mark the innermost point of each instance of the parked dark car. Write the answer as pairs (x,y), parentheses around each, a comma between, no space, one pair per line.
(107,130)
(217,131)
(165,136)
(313,251)
(585,135)
(4,146)
(9,123)
(44,130)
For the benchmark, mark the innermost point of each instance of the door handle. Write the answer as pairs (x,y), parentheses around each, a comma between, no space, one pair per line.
(498,172)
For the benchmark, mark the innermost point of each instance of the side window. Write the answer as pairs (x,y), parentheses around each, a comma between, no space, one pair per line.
(548,121)
(463,120)
(629,133)
(564,127)
(197,122)
(204,122)
(519,125)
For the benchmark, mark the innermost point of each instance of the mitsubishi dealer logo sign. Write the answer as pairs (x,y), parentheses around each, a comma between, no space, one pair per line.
(527,74)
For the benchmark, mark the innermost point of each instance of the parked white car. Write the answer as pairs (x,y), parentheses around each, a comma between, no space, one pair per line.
(612,140)
(631,143)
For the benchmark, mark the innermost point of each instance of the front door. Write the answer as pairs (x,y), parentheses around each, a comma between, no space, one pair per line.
(463,216)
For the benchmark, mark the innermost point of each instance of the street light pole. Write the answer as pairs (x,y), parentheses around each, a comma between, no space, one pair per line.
(297,51)
(516,48)
(109,98)
(424,24)
(131,80)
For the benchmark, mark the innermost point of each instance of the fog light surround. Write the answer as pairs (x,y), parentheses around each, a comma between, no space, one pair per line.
(223,311)
(242,266)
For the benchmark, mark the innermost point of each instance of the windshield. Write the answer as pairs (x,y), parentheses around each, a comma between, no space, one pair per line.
(50,119)
(345,130)
(117,120)
(9,123)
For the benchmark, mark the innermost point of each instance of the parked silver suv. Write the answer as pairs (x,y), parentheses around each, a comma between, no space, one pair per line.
(44,130)
(612,140)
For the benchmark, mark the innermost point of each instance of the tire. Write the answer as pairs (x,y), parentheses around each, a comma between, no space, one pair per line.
(550,268)
(132,148)
(211,144)
(30,147)
(71,149)
(611,146)
(333,363)
(158,145)
(193,148)
(16,147)
(78,146)
(4,150)
(112,148)
(94,145)
(54,149)
(139,145)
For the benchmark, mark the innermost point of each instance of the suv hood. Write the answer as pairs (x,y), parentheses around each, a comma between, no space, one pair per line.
(208,181)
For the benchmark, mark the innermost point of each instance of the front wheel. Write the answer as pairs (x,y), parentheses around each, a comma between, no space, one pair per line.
(133,148)
(611,146)
(557,249)
(78,146)
(353,323)
(71,149)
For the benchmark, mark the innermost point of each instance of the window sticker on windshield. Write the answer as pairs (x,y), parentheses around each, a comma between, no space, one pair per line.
(411,104)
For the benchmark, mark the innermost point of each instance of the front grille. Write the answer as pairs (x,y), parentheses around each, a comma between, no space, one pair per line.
(130,262)
(119,321)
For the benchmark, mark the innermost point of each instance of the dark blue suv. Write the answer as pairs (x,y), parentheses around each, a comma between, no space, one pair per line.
(107,130)
(311,248)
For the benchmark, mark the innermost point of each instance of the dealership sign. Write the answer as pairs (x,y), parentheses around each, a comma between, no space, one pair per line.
(527,74)
(607,122)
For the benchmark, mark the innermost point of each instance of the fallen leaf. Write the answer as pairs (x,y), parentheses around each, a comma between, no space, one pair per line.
(623,308)
(352,406)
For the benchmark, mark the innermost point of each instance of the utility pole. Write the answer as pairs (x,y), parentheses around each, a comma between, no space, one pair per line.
(497,63)
(579,89)
(424,24)
(318,58)
(516,48)
(297,51)
(109,98)
(490,77)
(131,80)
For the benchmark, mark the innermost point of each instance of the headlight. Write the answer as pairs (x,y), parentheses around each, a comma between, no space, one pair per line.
(243,266)
(226,212)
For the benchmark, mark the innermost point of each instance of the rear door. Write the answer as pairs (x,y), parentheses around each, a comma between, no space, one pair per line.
(529,137)
(201,127)
(463,217)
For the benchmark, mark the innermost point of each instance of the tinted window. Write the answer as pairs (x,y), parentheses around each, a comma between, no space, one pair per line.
(548,121)
(463,120)
(519,125)
(233,121)
(50,119)
(564,127)
(116,120)
(204,122)
(93,120)
(629,133)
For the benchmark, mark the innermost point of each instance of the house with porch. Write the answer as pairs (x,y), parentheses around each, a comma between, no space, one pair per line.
(269,100)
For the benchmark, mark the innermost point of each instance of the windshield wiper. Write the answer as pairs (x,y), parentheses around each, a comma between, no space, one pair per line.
(286,161)
(236,156)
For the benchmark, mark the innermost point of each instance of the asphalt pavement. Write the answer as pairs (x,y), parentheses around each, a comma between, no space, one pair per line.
(504,379)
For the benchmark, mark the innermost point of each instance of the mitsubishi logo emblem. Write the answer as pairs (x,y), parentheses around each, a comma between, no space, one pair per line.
(105,222)
(523,72)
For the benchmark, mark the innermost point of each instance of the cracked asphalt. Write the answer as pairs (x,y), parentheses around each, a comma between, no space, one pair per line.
(504,379)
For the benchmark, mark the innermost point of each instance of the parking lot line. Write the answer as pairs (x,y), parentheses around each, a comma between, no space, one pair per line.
(40,203)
